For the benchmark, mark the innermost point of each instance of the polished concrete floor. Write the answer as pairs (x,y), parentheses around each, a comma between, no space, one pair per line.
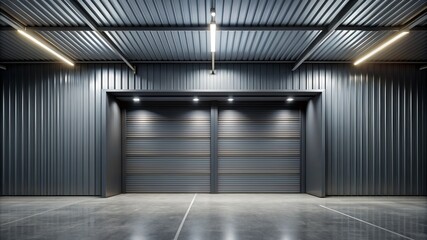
(213,216)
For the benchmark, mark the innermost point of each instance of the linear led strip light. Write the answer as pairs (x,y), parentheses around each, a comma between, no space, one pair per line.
(213,30)
(382,46)
(45,47)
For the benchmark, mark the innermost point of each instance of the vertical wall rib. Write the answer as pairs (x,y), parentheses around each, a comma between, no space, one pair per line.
(375,120)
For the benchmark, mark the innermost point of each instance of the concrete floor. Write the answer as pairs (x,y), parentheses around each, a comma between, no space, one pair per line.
(213,216)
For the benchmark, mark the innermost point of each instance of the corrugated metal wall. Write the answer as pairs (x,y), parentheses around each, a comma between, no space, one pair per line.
(375,114)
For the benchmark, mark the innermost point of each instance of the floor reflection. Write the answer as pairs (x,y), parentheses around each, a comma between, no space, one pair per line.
(213,216)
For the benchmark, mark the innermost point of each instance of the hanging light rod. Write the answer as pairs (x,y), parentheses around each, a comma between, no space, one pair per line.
(34,37)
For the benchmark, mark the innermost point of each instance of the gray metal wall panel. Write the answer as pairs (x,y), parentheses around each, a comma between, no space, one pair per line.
(113,163)
(315,152)
(259,149)
(167,149)
(375,120)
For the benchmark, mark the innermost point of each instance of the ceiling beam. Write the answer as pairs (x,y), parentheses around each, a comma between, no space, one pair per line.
(423,67)
(219,28)
(208,62)
(77,6)
(327,32)
(3,67)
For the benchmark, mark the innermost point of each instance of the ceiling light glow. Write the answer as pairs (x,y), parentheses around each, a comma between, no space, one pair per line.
(213,12)
(381,47)
(195,99)
(289,99)
(230,99)
(42,45)
(136,99)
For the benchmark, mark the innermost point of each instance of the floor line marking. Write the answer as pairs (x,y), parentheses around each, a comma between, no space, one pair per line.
(183,219)
(46,211)
(371,224)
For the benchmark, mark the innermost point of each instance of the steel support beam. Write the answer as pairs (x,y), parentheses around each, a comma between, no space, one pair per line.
(210,62)
(214,148)
(219,28)
(77,6)
(3,67)
(327,32)
(423,67)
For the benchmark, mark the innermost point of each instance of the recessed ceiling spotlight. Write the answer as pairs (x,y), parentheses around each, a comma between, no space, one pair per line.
(230,99)
(136,99)
(289,99)
(195,99)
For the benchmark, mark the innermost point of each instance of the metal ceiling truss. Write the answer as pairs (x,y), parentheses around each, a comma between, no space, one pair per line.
(326,31)
(223,28)
(218,62)
(220,28)
(77,6)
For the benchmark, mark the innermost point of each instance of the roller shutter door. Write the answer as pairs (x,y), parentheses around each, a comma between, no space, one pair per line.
(259,149)
(167,150)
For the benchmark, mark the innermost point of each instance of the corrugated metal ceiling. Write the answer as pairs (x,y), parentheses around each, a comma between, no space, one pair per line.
(384,13)
(42,13)
(192,45)
(231,45)
(176,13)
(14,47)
(408,48)
(84,45)
(345,45)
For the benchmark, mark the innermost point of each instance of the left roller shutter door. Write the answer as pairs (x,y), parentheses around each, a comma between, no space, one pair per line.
(167,150)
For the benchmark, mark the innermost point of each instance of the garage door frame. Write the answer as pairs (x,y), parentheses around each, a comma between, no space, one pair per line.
(315,170)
